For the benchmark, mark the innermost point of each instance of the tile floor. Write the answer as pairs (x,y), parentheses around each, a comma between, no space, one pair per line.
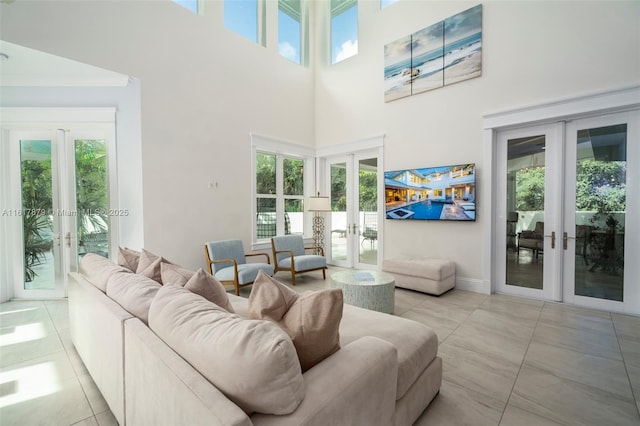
(507,361)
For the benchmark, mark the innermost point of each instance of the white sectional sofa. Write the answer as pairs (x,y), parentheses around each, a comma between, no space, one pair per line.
(386,372)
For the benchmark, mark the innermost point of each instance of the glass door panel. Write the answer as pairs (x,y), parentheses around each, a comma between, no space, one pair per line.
(39,211)
(92,197)
(368,211)
(339,222)
(525,206)
(601,180)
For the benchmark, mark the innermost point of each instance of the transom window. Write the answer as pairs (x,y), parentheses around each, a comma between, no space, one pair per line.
(246,17)
(192,5)
(344,29)
(290,30)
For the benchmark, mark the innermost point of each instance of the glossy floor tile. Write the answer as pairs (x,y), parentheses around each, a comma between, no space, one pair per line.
(506,361)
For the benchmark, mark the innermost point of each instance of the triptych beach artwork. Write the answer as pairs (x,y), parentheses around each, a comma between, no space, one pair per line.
(444,53)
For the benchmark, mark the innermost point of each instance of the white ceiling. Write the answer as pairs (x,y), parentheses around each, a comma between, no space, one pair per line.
(29,67)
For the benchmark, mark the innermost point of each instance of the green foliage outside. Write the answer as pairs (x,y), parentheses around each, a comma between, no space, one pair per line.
(92,200)
(368,190)
(600,188)
(36,199)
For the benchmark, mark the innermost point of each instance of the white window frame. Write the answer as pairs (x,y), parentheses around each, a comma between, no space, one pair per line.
(281,149)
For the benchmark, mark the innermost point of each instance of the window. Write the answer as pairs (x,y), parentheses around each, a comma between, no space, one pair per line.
(290,29)
(385,3)
(281,182)
(246,17)
(344,29)
(192,5)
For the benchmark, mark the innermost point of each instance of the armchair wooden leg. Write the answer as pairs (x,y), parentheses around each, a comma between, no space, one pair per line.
(293,278)
(324,274)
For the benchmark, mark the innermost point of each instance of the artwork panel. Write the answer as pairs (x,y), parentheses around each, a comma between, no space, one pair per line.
(397,67)
(463,46)
(427,58)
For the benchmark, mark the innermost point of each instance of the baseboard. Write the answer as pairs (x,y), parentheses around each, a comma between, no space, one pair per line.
(472,284)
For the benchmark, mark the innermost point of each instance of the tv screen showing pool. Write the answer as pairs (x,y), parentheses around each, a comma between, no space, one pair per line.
(431,193)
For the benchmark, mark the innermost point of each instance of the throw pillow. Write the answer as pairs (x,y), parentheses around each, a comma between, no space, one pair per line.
(253,363)
(133,292)
(128,258)
(311,319)
(174,274)
(207,286)
(149,265)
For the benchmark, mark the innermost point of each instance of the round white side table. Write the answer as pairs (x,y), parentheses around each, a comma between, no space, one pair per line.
(366,289)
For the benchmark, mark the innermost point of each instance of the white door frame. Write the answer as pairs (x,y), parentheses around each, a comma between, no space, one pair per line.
(99,122)
(631,289)
(552,253)
(567,109)
(352,152)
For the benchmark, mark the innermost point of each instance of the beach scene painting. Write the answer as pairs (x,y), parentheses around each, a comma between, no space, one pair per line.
(444,53)
(463,46)
(397,69)
(427,58)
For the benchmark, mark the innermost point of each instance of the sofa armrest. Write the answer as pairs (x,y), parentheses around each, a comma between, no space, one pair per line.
(356,385)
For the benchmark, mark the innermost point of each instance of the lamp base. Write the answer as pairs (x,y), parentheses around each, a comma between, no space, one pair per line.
(318,233)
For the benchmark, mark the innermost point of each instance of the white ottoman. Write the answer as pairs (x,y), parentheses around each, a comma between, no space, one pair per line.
(432,276)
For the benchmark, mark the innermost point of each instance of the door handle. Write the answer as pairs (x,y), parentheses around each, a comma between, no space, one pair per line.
(68,239)
(553,239)
(565,239)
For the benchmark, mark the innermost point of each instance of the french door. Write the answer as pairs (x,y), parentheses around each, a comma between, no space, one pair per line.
(355,219)
(58,204)
(568,202)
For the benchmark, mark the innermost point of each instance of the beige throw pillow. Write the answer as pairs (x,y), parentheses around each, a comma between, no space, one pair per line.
(253,363)
(311,319)
(207,286)
(133,292)
(174,274)
(128,258)
(149,265)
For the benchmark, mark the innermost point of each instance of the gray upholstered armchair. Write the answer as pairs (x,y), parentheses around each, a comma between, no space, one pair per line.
(289,254)
(532,240)
(227,262)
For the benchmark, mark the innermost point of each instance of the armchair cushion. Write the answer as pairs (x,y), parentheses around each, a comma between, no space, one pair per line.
(312,319)
(304,262)
(247,272)
(293,243)
(226,249)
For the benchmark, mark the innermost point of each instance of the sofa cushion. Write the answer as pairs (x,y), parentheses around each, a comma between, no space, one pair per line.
(207,286)
(128,258)
(253,363)
(435,269)
(97,269)
(150,265)
(133,292)
(312,319)
(417,345)
(174,274)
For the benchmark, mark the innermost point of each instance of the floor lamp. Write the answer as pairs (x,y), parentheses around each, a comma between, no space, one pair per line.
(318,205)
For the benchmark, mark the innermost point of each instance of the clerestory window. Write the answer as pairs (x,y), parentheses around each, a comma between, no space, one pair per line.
(344,29)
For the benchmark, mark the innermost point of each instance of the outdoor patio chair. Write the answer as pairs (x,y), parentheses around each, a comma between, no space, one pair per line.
(289,254)
(532,240)
(227,262)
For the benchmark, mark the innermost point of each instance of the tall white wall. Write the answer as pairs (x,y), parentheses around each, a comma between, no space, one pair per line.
(203,90)
(533,52)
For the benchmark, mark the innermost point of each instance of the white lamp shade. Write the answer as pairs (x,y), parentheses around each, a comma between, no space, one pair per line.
(319,204)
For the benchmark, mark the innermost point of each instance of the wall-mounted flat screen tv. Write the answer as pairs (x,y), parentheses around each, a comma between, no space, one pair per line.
(431,193)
